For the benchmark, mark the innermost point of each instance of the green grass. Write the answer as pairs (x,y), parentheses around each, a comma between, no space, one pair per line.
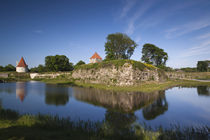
(149,86)
(117,64)
(14,126)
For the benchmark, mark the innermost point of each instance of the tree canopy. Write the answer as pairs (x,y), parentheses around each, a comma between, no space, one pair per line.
(119,46)
(40,68)
(80,63)
(202,66)
(8,67)
(153,55)
(58,63)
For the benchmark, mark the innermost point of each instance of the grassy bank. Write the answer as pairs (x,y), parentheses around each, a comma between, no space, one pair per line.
(144,87)
(29,127)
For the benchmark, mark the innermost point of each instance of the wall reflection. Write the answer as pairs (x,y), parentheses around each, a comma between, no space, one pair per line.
(55,95)
(153,104)
(203,91)
(21,90)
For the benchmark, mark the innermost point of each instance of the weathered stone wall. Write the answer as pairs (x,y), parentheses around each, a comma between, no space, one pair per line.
(47,75)
(121,76)
(3,75)
(179,75)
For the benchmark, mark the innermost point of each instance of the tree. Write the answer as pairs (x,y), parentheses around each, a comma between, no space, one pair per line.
(153,55)
(119,46)
(80,63)
(9,67)
(40,68)
(1,68)
(202,66)
(58,63)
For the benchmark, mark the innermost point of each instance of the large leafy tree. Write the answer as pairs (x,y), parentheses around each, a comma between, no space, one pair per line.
(119,46)
(58,63)
(202,66)
(9,67)
(153,55)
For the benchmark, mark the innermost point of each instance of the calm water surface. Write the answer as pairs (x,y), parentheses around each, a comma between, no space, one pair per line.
(184,106)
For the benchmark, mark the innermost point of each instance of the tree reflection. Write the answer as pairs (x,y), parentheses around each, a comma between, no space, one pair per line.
(203,91)
(157,108)
(55,95)
(118,122)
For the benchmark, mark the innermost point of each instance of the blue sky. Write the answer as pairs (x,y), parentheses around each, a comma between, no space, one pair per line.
(77,28)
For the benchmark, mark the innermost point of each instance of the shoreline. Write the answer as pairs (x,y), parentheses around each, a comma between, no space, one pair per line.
(144,87)
(149,86)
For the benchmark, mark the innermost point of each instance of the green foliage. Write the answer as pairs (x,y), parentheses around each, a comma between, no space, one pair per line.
(163,67)
(58,63)
(188,69)
(39,69)
(79,63)
(151,54)
(202,66)
(8,67)
(1,68)
(119,46)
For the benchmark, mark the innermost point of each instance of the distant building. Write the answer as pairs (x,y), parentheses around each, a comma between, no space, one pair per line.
(21,66)
(95,58)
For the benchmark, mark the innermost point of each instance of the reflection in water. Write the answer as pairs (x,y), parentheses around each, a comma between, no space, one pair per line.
(154,103)
(21,90)
(118,122)
(55,95)
(155,109)
(203,90)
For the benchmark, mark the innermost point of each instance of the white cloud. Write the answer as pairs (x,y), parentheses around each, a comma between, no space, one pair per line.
(144,7)
(127,7)
(204,36)
(203,48)
(138,39)
(187,28)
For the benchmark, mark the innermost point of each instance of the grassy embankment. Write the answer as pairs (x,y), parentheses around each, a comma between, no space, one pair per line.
(144,87)
(29,127)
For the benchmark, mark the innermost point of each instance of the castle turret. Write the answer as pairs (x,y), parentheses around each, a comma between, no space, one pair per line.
(22,66)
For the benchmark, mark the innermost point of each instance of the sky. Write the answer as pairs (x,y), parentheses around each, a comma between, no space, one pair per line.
(35,29)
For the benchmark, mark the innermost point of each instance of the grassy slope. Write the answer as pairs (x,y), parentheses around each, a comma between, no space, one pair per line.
(116,63)
(144,87)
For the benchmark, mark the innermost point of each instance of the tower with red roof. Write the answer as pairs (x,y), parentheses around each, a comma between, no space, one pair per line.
(95,58)
(22,66)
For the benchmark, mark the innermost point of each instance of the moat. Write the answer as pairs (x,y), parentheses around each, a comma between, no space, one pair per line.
(183,106)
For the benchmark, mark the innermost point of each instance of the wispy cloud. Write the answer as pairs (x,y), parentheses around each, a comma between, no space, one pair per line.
(144,7)
(138,39)
(204,36)
(187,28)
(127,7)
(38,31)
(202,49)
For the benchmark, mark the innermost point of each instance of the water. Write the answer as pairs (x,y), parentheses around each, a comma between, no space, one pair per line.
(183,106)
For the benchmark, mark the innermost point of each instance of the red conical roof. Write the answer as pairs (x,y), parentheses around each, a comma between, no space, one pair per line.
(22,63)
(95,56)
